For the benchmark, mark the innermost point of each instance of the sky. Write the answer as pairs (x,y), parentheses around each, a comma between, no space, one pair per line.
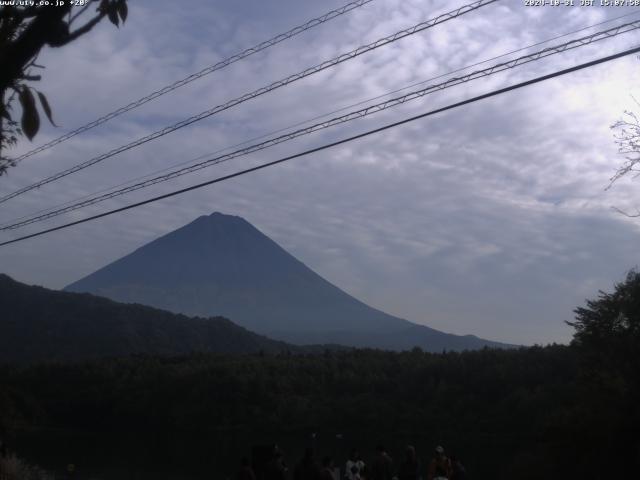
(490,219)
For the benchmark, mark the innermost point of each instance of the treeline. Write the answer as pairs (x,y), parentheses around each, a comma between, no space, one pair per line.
(41,324)
(539,412)
(518,412)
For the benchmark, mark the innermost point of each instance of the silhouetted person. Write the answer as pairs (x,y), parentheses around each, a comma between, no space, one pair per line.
(276,469)
(382,466)
(245,472)
(440,466)
(410,466)
(71,471)
(354,467)
(327,469)
(363,474)
(307,468)
(458,472)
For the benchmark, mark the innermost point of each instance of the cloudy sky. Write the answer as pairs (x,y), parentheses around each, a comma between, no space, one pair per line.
(491,219)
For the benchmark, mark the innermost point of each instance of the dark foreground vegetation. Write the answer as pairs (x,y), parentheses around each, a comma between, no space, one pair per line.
(540,412)
(42,324)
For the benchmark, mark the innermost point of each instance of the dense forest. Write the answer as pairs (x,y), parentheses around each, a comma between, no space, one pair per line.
(538,412)
(43,324)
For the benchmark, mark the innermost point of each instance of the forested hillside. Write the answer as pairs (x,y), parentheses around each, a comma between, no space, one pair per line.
(41,324)
(540,412)
(529,413)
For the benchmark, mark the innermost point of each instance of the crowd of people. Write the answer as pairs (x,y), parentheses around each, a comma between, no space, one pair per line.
(381,467)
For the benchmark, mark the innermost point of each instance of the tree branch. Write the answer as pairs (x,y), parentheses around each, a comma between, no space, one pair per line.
(39,32)
(81,11)
(82,30)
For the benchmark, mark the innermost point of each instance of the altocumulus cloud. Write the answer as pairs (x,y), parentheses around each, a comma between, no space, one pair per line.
(491,219)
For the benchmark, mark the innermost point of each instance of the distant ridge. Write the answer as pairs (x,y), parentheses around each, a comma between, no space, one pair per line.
(222,265)
(38,324)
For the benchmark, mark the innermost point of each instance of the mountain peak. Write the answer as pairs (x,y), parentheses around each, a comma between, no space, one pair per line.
(218,220)
(220,215)
(220,264)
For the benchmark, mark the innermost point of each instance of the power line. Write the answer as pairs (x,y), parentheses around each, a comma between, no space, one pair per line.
(195,76)
(333,144)
(261,91)
(10,224)
(351,116)
(500,67)
(461,69)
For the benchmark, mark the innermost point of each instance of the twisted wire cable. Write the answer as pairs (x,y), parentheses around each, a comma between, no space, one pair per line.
(195,76)
(452,106)
(318,117)
(385,105)
(256,93)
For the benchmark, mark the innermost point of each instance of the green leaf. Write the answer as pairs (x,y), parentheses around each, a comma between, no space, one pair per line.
(30,122)
(123,10)
(46,108)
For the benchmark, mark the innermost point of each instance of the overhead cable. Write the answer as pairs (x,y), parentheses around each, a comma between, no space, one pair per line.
(256,93)
(314,118)
(333,144)
(195,76)
(387,104)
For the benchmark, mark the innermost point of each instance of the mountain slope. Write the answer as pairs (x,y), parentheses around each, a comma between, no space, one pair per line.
(41,324)
(222,265)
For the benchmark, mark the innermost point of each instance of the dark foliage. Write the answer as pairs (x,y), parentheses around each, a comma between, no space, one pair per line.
(37,324)
(607,338)
(24,30)
(514,414)
(540,412)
